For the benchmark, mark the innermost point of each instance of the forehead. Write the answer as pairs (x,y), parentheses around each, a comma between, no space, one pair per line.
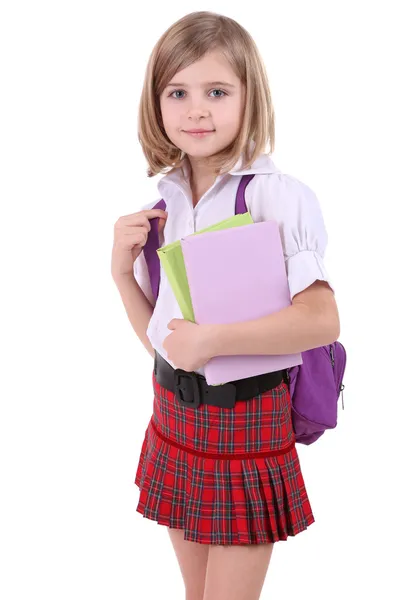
(212,68)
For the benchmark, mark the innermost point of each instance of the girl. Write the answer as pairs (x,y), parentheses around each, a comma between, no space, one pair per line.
(226,481)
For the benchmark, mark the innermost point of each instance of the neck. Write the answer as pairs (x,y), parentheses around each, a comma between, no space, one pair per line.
(201,179)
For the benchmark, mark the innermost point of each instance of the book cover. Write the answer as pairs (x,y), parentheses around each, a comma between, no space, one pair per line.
(238,275)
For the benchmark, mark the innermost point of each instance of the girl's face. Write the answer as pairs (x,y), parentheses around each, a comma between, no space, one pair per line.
(206,95)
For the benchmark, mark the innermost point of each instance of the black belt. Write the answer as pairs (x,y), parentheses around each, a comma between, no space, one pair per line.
(191,388)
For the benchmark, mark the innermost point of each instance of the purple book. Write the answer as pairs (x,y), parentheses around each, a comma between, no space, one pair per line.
(235,275)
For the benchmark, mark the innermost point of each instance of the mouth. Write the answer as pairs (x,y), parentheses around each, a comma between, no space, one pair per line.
(199,132)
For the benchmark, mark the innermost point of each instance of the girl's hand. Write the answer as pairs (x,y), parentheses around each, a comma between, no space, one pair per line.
(189,344)
(130,235)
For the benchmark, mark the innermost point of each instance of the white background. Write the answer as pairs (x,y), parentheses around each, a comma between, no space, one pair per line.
(75,382)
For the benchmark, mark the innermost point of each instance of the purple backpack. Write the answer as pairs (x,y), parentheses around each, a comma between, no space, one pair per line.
(314,386)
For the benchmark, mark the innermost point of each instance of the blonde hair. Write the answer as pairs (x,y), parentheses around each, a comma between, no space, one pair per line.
(184,43)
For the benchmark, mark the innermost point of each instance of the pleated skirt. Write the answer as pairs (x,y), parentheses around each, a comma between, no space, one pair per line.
(223,475)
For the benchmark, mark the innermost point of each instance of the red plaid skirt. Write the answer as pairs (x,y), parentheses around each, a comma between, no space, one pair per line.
(223,475)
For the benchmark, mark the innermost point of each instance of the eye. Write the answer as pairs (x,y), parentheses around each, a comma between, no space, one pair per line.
(174,93)
(215,90)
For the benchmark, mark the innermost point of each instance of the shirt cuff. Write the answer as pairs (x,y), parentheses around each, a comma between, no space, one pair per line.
(303,269)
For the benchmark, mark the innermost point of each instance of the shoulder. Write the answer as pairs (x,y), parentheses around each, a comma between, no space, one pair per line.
(294,206)
(279,195)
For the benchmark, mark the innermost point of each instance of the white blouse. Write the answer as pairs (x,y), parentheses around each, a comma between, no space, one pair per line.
(270,195)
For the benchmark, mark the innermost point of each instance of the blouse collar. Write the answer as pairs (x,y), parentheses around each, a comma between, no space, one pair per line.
(263,164)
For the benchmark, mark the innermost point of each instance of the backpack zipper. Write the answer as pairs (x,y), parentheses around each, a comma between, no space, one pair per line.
(332,355)
(333,364)
(341,389)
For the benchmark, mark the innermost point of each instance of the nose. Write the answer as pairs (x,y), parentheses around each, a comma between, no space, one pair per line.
(197,112)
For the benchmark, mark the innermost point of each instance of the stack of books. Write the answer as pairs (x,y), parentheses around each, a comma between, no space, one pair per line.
(231,272)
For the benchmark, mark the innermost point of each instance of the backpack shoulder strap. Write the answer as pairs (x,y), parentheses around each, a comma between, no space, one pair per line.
(150,251)
(240,207)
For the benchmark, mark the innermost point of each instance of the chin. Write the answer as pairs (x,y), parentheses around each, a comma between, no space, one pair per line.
(197,153)
(201,149)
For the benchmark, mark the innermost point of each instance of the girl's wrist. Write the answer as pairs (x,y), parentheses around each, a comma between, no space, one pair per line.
(212,333)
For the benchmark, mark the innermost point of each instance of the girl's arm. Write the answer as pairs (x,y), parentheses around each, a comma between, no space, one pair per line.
(310,322)
(138,308)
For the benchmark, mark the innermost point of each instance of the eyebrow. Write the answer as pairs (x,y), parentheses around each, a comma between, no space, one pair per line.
(207,83)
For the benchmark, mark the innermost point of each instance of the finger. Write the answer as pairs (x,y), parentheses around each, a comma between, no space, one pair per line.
(150,213)
(130,242)
(161,225)
(141,218)
(134,229)
(174,323)
(155,212)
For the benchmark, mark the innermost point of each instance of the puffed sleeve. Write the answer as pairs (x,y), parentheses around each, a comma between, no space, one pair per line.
(304,238)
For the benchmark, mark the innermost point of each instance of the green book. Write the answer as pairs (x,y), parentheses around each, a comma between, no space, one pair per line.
(171,259)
